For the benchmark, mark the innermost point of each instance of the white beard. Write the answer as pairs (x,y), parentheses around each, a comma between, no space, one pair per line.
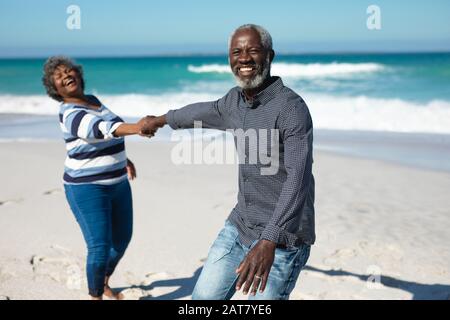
(257,81)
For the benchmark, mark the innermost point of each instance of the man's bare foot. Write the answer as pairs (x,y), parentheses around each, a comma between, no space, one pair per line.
(111,294)
(97,298)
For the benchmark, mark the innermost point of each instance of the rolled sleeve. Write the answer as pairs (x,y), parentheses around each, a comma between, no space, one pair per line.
(113,127)
(170,119)
(272,233)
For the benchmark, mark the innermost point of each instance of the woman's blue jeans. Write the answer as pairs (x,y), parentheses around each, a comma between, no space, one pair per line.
(105,215)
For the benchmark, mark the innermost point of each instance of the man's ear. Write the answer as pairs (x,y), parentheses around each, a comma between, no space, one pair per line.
(272,55)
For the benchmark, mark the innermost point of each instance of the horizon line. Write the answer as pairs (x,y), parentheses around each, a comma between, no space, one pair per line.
(224,54)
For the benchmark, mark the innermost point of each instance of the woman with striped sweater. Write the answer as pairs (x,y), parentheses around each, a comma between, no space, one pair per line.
(96,171)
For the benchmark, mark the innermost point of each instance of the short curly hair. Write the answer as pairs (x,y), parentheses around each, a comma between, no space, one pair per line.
(50,66)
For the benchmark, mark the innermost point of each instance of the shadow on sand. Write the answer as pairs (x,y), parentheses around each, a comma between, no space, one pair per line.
(185,287)
(419,291)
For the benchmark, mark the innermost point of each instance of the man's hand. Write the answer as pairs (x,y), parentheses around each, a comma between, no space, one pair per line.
(146,126)
(254,269)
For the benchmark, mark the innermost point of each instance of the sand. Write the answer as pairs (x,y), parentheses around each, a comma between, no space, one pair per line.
(382,229)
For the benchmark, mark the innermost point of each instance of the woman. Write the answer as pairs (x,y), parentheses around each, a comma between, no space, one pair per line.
(95,172)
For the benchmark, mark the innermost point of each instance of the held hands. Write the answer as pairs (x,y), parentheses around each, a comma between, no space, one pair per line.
(144,127)
(149,125)
(254,269)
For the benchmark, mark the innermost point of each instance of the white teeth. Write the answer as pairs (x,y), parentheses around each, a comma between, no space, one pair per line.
(246,69)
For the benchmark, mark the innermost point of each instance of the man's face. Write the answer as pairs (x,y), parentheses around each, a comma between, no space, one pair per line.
(249,60)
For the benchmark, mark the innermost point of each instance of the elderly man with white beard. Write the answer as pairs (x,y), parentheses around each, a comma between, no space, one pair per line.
(267,237)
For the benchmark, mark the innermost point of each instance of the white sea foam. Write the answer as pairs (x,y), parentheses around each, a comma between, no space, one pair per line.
(328,111)
(376,114)
(300,70)
(210,68)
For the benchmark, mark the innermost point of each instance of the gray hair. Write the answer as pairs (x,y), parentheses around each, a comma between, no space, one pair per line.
(50,66)
(266,38)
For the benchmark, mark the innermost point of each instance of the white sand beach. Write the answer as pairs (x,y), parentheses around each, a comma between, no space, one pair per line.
(375,221)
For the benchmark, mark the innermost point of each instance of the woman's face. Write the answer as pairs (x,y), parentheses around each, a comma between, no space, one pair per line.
(67,81)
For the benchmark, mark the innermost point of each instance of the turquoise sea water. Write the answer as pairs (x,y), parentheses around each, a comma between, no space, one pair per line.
(400,102)
(414,77)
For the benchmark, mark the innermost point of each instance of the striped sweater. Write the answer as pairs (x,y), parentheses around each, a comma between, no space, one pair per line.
(94,155)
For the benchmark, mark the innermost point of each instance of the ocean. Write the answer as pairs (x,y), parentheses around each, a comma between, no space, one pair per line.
(393,107)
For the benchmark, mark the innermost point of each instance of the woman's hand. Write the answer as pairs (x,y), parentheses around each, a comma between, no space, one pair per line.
(131,170)
(146,127)
(150,124)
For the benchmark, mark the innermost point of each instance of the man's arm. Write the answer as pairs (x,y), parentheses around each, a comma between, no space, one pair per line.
(212,115)
(296,131)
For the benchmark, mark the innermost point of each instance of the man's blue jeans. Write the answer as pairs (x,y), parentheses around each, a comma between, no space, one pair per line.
(105,215)
(218,279)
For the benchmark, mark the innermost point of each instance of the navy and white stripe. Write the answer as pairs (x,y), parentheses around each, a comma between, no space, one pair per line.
(94,154)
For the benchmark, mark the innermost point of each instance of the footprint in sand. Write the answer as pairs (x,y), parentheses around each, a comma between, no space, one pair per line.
(134,294)
(143,288)
(314,272)
(59,265)
(52,191)
(381,251)
(61,249)
(155,276)
(339,256)
(10,201)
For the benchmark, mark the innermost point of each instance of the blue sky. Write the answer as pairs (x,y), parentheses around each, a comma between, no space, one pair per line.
(137,27)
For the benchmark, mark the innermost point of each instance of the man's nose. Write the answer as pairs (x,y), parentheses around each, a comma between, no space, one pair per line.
(244,57)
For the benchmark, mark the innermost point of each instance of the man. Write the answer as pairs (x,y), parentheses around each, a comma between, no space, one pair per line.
(267,237)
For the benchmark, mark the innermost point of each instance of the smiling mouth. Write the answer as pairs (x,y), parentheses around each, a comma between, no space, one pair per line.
(70,82)
(246,70)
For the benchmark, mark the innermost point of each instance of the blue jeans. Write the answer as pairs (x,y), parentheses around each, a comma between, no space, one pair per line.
(105,215)
(218,279)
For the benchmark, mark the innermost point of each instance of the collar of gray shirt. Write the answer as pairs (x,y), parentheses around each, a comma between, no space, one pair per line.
(271,88)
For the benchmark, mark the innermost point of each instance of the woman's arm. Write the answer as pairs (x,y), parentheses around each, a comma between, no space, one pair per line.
(126,129)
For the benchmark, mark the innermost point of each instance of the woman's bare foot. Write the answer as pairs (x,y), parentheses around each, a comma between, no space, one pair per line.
(108,292)
(111,294)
